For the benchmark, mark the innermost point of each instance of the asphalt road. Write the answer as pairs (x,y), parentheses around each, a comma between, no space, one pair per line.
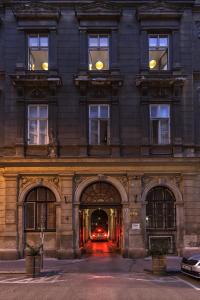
(99,277)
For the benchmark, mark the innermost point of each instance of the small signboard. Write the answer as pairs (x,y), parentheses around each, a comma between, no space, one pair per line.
(135,226)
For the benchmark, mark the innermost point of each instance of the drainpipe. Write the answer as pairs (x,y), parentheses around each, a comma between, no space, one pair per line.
(17,217)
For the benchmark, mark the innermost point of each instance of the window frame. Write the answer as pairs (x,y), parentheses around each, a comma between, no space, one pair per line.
(38,119)
(98,48)
(152,205)
(36,203)
(38,35)
(99,118)
(159,126)
(158,35)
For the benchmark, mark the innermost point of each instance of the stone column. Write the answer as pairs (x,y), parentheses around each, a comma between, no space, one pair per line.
(144,48)
(114,51)
(125,229)
(21,230)
(10,237)
(53,65)
(64,215)
(137,219)
(20,143)
(176,50)
(83,51)
(76,229)
(83,128)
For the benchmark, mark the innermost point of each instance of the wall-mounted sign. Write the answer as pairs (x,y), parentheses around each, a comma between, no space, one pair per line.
(135,226)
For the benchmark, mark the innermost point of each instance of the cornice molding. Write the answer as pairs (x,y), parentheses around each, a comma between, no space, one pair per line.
(98,9)
(36,10)
(159,10)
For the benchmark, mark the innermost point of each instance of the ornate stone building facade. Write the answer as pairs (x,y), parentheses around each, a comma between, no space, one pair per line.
(99,112)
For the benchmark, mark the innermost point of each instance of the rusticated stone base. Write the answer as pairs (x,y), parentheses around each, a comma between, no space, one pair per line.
(65,254)
(9,254)
(136,252)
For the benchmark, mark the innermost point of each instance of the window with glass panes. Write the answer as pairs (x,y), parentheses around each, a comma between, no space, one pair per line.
(38,124)
(99,124)
(160,209)
(40,210)
(38,59)
(158,52)
(98,52)
(160,123)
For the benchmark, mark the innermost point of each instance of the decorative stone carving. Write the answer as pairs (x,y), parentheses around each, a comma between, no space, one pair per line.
(77,180)
(25,181)
(100,9)
(52,147)
(160,86)
(159,9)
(37,10)
(37,93)
(146,180)
(175,179)
(100,192)
(124,181)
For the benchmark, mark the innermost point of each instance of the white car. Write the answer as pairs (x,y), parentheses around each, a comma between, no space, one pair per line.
(191,266)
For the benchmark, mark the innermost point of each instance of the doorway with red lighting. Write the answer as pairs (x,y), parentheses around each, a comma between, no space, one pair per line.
(100,219)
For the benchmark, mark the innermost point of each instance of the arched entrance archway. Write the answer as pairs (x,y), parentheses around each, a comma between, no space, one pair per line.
(39,211)
(161,218)
(98,200)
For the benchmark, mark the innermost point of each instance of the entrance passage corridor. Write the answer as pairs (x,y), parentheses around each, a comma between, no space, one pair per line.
(100,248)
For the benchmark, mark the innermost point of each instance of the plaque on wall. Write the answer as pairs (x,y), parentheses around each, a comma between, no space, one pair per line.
(135,226)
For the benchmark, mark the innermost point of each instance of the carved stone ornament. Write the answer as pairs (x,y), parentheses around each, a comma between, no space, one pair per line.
(159,9)
(34,79)
(175,179)
(29,180)
(99,193)
(146,180)
(77,180)
(160,86)
(124,181)
(52,147)
(98,9)
(99,80)
(36,10)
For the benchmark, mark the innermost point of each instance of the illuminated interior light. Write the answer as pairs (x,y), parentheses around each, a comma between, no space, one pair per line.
(152,64)
(90,67)
(45,66)
(99,65)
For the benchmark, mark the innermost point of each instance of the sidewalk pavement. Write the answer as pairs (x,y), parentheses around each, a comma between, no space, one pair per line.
(139,265)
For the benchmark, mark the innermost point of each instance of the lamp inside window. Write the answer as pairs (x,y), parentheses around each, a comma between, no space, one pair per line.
(98,51)
(158,52)
(38,53)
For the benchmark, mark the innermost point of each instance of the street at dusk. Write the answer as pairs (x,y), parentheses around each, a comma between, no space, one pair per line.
(101,276)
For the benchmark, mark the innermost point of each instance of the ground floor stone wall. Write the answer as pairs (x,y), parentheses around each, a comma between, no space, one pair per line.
(68,180)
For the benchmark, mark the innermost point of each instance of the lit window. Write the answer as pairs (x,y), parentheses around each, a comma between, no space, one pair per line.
(38,52)
(159,52)
(38,124)
(98,49)
(160,123)
(40,210)
(99,117)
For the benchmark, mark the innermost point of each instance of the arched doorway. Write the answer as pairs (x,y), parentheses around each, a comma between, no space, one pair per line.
(40,218)
(100,205)
(161,218)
